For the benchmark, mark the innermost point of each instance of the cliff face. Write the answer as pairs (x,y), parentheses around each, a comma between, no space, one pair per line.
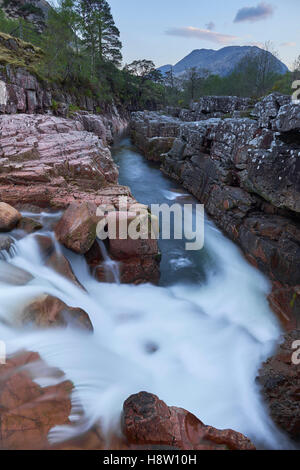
(34,11)
(246,172)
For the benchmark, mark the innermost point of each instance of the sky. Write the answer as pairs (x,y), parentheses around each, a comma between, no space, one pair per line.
(165,31)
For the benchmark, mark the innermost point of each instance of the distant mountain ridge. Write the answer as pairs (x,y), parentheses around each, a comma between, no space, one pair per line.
(221,62)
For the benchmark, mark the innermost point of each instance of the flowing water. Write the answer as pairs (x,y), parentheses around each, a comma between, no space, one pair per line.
(197,340)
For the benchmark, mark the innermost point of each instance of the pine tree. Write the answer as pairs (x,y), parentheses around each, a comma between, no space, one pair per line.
(99,32)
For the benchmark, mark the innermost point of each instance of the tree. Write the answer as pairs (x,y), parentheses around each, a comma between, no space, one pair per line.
(148,81)
(60,41)
(170,80)
(266,68)
(141,68)
(99,33)
(191,78)
(256,73)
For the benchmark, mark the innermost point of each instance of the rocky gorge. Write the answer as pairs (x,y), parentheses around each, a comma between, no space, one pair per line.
(49,164)
(241,160)
(56,168)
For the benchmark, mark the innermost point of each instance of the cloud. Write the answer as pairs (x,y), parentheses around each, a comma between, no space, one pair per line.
(205,34)
(252,14)
(289,44)
(210,26)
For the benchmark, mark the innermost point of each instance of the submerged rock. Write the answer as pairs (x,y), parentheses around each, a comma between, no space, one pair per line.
(5,242)
(49,311)
(149,421)
(29,225)
(10,274)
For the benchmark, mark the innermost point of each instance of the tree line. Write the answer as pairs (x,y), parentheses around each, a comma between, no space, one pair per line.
(254,76)
(83,51)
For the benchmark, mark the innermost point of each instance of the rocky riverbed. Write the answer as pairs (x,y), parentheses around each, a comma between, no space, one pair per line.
(62,169)
(49,164)
(241,160)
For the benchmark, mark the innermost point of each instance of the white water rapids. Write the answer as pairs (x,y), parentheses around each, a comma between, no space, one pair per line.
(197,345)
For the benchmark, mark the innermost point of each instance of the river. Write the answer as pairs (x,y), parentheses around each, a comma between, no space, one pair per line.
(197,340)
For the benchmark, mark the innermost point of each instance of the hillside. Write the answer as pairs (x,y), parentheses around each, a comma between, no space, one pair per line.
(33,11)
(221,62)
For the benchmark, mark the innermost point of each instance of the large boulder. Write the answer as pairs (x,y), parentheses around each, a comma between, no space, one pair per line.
(76,230)
(268,108)
(9,217)
(149,421)
(288,119)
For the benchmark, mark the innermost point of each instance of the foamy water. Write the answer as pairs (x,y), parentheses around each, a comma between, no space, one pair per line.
(197,345)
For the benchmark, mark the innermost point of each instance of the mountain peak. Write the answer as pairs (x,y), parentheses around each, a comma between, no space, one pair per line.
(219,62)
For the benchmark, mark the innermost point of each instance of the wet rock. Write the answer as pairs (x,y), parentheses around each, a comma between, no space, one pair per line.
(61,265)
(140,270)
(94,256)
(9,217)
(124,249)
(76,229)
(29,225)
(49,311)
(279,378)
(138,260)
(54,259)
(28,411)
(10,274)
(5,242)
(149,421)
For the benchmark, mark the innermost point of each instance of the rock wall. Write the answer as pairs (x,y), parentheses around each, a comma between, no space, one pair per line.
(280,383)
(247,173)
(21,92)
